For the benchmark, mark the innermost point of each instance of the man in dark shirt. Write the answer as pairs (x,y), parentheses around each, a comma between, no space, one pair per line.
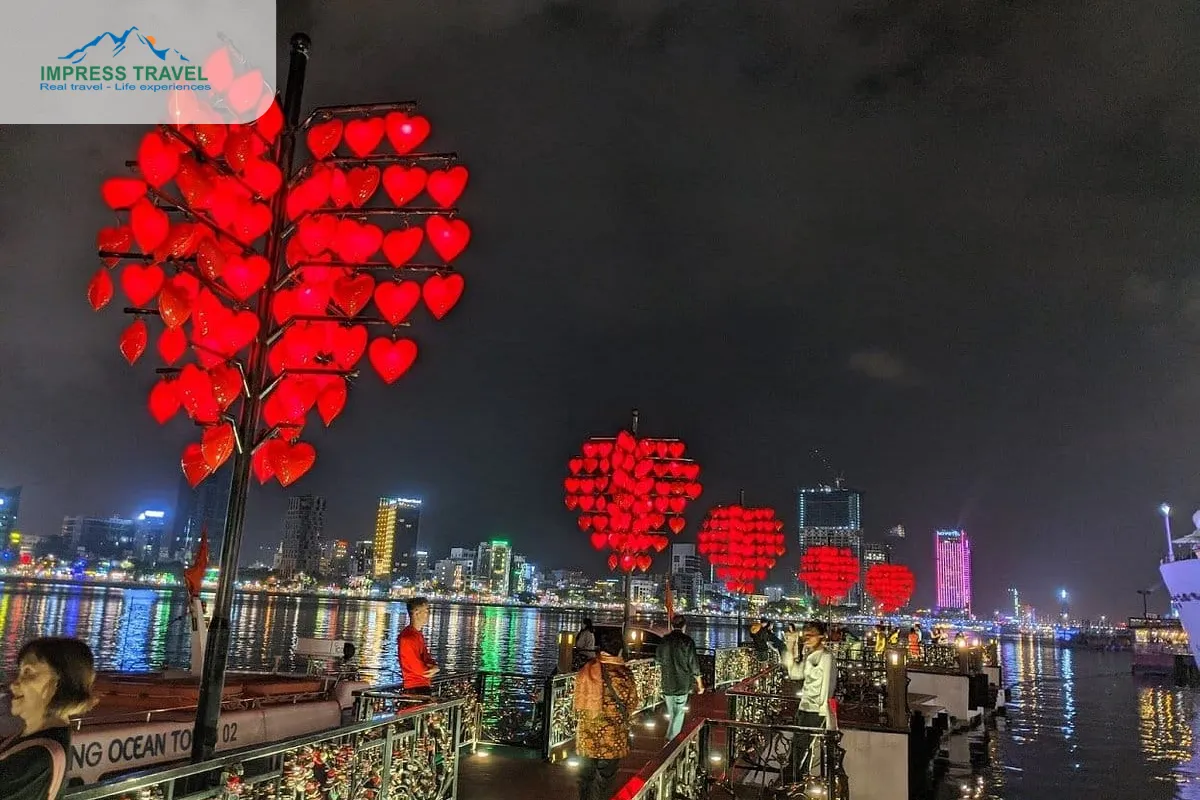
(680,667)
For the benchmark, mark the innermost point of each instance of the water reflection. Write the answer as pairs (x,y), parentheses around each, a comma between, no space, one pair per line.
(139,630)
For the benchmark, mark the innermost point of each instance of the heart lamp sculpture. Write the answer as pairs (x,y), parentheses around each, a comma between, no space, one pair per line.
(891,586)
(829,572)
(630,494)
(742,544)
(368,232)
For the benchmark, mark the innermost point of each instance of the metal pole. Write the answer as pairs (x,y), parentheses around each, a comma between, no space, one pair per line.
(216,656)
(1170,542)
(627,626)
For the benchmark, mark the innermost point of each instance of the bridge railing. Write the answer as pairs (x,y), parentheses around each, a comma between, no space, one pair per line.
(414,750)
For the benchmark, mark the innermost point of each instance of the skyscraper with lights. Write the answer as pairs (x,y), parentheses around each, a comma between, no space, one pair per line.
(397,523)
(831,516)
(952,560)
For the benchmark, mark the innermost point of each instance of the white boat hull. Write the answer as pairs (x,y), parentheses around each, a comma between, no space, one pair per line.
(1183,583)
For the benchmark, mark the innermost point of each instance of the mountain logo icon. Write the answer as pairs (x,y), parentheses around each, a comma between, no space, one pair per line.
(131,41)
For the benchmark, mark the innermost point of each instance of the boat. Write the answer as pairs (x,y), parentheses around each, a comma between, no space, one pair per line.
(1182,579)
(1157,644)
(145,719)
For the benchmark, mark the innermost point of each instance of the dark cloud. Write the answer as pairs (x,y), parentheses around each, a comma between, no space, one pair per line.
(706,210)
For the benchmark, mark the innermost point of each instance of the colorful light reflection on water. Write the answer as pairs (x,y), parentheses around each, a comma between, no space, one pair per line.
(139,630)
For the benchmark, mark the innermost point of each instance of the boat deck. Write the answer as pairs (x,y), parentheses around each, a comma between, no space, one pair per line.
(508,773)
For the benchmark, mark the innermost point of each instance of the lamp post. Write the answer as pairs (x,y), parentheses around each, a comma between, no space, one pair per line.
(1165,510)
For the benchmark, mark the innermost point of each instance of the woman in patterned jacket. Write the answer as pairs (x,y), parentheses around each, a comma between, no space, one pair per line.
(606,698)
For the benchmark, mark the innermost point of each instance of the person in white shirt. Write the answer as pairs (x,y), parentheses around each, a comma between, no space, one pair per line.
(818,671)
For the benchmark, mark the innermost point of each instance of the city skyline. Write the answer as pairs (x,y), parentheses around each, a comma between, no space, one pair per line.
(967,287)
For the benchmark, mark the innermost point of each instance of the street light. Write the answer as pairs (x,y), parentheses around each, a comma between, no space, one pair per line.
(1165,510)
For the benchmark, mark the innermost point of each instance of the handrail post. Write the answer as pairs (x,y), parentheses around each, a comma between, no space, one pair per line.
(547,716)
(897,687)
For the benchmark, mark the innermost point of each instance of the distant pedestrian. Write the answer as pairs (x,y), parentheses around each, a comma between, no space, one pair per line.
(606,698)
(764,641)
(585,643)
(417,666)
(914,643)
(680,669)
(54,682)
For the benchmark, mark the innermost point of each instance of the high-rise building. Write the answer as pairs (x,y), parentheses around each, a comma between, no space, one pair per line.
(420,566)
(336,555)
(875,553)
(684,559)
(397,523)
(493,566)
(10,507)
(149,533)
(831,516)
(100,537)
(449,575)
(362,562)
(952,559)
(302,527)
(196,510)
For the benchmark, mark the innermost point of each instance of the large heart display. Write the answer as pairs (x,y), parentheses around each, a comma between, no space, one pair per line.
(742,544)
(366,232)
(630,493)
(890,586)
(829,572)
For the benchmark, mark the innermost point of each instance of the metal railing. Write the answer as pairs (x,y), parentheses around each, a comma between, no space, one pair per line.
(560,704)
(767,760)
(415,750)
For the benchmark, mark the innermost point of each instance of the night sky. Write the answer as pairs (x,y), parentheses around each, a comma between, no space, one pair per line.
(950,245)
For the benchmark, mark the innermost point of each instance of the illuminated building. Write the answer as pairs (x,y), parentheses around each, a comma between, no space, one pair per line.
(831,516)
(493,565)
(203,507)
(420,566)
(303,525)
(100,537)
(363,560)
(687,578)
(335,558)
(450,575)
(952,559)
(396,526)
(10,507)
(523,576)
(149,531)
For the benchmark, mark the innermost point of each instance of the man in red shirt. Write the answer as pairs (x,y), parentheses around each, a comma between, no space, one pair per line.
(416,664)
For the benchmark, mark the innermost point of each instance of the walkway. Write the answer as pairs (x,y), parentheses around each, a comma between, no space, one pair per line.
(509,773)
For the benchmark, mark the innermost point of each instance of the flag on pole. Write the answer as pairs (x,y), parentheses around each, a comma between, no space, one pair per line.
(669,601)
(193,576)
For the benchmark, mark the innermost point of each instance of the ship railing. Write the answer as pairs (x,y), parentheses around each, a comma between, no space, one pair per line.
(961,659)
(229,704)
(728,758)
(869,693)
(414,751)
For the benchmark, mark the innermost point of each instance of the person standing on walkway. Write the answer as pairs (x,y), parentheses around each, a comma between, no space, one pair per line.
(680,669)
(606,698)
(819,673)
(417,666)
(585,643)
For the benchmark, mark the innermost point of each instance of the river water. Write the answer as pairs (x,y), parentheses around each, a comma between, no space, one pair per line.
(1079,726)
